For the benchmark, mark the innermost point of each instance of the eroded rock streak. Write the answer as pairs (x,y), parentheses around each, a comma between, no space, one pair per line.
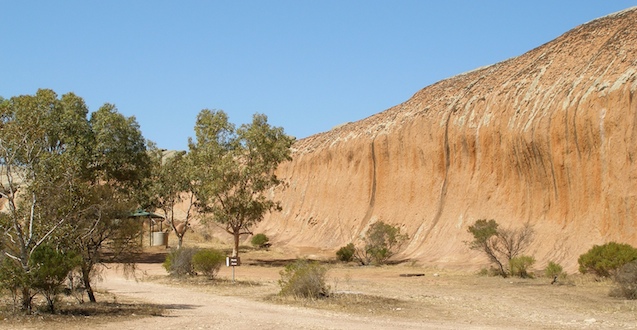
(548,137)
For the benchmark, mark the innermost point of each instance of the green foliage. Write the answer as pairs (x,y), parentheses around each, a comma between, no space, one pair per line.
(234,169)
(170,184)
(519,266)
(626,281)
(49,269)
(482,230)
(179,262)
(381,243)
(208,261)
(346,253)
(12,276)
(119,147)
(74,176)
(304,279)
(604,260)
(499,245)
(554,269)
(260,241)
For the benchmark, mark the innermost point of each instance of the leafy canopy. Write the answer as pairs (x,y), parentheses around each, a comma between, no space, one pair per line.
(235,167)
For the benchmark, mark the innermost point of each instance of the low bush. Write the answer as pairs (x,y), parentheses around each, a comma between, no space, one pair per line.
(346,253)
(605,260)
(260,241)
(626,281)
(519,266)
(208,261)
(553,270)
(382,241)
(304,279)
(179,262)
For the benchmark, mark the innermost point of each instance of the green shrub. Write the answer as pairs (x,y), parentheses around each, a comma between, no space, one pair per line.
(626,281)
(605,260)
(48,271)
(179,262)
(490,272)
(381,243)
(554,269)
(12,276)
(260,241)
(208,261)
(346,253)
(519,266)
(304,279)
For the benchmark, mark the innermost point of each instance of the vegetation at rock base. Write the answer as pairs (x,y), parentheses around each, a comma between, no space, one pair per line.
(346,253)
(553,270)
(604,260)
(260,241)
(500,245)
(381,242)
(626,281)
(519,266)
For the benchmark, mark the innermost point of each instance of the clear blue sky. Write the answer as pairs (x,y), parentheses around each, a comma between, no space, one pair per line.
(307,65)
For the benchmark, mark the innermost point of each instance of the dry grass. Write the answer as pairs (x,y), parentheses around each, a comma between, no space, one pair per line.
(352,303)
(72,313)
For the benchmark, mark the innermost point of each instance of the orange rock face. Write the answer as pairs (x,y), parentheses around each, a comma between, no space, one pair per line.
(549,138)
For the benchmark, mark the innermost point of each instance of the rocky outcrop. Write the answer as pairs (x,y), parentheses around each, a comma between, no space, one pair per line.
(549,137)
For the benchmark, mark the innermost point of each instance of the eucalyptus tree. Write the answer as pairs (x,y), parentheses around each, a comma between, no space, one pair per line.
(65,182)
(119,164)
(172,184)
(43,143)
(234,169)
(498,244)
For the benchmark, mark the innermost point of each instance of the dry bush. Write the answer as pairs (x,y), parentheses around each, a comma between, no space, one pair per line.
(179,262)
(305,279)
(626,282)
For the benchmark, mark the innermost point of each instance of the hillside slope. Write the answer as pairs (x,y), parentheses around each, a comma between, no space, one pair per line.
(548,137)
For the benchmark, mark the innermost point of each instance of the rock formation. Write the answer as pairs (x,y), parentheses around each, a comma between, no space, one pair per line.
(549,137)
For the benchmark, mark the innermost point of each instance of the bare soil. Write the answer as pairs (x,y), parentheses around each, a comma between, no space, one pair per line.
(363,298)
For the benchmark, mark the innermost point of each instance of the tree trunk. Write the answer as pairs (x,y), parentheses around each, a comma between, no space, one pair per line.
(180,240)
(27,300)
(86,278)
(503,273)
(235,249)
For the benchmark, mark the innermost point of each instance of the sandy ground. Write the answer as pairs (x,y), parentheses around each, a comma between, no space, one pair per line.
(438,300)
(193,308)
(441,299)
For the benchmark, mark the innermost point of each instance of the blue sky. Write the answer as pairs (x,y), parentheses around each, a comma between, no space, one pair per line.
(307,65)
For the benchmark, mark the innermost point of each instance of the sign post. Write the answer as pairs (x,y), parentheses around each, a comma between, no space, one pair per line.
(233,262)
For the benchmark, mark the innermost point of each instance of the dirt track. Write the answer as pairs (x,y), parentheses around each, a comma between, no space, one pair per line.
(193,309)
(447,301)
(380,299)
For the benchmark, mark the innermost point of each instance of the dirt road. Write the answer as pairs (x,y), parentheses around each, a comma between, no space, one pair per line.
(448,301)
(189,308)
(377,298)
